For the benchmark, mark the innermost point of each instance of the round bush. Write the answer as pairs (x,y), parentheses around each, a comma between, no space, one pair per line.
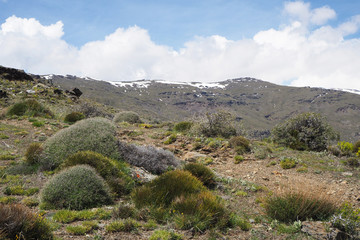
(115,173)
(93,134)
(17,220)
(127,116)
(201,172)
(240,144)
(78,187)
(29,108)
(183,126)
(165,188)
(33,153)
(307,131)
(74,117)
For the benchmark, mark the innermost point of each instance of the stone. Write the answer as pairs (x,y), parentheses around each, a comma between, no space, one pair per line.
(322,230)
(193,156)
(347,174)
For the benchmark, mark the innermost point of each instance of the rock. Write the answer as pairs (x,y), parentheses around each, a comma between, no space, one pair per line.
(3,94)
(58,91)
(347,174)
(30,91)
(193,156)
(13,74)
(322,230)
(141,174)
(76,92)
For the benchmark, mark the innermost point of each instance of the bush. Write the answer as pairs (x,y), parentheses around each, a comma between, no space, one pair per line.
(165,235)
(18,222)
(127,225)
(115,173)
(154,160)
(307,131)
(203,173)
(30,108)
(164,189)
(287,163)
(240,144)
(199,212)
(74,117)
(183,126)
(171,139)
(127,116)
(93,134)
(293,205)
(91,110)
(356,146)
(238,159)
(33,153)
(123,211)
(78,187)
(347,219)
(218,124)
(346,148)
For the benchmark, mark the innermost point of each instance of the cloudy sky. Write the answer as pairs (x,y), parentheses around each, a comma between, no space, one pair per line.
(298,43)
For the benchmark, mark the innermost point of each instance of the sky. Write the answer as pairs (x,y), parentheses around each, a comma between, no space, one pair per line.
(297,43)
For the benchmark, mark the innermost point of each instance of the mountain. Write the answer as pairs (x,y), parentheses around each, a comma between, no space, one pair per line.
(259,105)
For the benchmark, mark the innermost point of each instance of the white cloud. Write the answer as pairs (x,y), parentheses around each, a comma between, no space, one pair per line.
(306,52)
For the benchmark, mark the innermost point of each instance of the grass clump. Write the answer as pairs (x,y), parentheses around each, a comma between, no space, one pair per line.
(238,159)
(116,174)
(127,225)
(33,153)
(237,221)
(165,235)
(154,160)
(127,116)
(295,204)
(78,187)
(74,117)
(171,139)
(68,216)
(18,222)
(93,134)
(287,163)
(31,108)
(183,126)
(203,173)
(123,211)
(240,144)
(164,189)
(19,190)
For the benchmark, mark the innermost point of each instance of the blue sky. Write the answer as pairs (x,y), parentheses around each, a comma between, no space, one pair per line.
(296,43)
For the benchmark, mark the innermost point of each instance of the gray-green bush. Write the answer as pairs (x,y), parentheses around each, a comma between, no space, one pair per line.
(78,187)
(93,134)
(219,124)
(127,116)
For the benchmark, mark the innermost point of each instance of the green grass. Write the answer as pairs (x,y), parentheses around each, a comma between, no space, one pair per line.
(127,225)
(68,216)
(19,190)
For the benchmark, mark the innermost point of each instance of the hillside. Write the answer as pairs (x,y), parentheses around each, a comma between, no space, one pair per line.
(259,105)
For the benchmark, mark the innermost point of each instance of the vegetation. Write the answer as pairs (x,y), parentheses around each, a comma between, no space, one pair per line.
(31,108)
(307,131)
(219,124)
(287,163)
(33,153)
(18,222)
(127,116)
(183,126)
(74,117)
(78,187)
(93,134)
(165,235)
(240,144)
(116,174)
(201,172)
(347,219)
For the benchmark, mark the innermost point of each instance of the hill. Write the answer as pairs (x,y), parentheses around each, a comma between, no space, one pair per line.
(259,105)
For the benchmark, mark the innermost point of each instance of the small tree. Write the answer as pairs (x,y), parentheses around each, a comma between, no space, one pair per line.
(219,124)
(306,131)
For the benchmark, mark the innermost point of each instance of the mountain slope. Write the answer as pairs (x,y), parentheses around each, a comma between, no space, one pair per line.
(258,104)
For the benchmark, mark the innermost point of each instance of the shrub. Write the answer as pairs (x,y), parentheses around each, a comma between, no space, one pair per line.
(293,205)
(347,219)
(18,222)
(123,211)
(127,225)
(78,187)
(346,148)
(353,162)
(171,139)
(199,212)
(287,163)
(115,173)
(154,160)
(91,110)
(238,159)
(93,134)
(356,146)
(30,108)
(237,221)
(218,124)
(334,150)
(33,153)
(164,189)
(127,116)
(74,117)
(307,131)
(165,235)
(240,144)
(183,126)
(201,172)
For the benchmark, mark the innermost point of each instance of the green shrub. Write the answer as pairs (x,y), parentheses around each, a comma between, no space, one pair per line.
(240,144)
(203,173)
(123,211)
(165,235)
(307,131)
(154,160)
(292,205)
(18,222)
(30,108)
(199,212)
(287,163)
(78,230)
(19,190)
(33,153)
(334,150)
(356,146)
(238,159)
(218,124)
(116,174)
(38,123)
(127,116)
(68,216)
(93,134)
(237,221)
(353,162)
(127,225)
(78,187)
(164,189)
(346,148)
(74,117)
(347,219)
(183,126)
(171,139)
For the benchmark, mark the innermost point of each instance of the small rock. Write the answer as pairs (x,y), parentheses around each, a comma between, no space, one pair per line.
(347,174)
(193,156)
(321,230)
(266,178)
